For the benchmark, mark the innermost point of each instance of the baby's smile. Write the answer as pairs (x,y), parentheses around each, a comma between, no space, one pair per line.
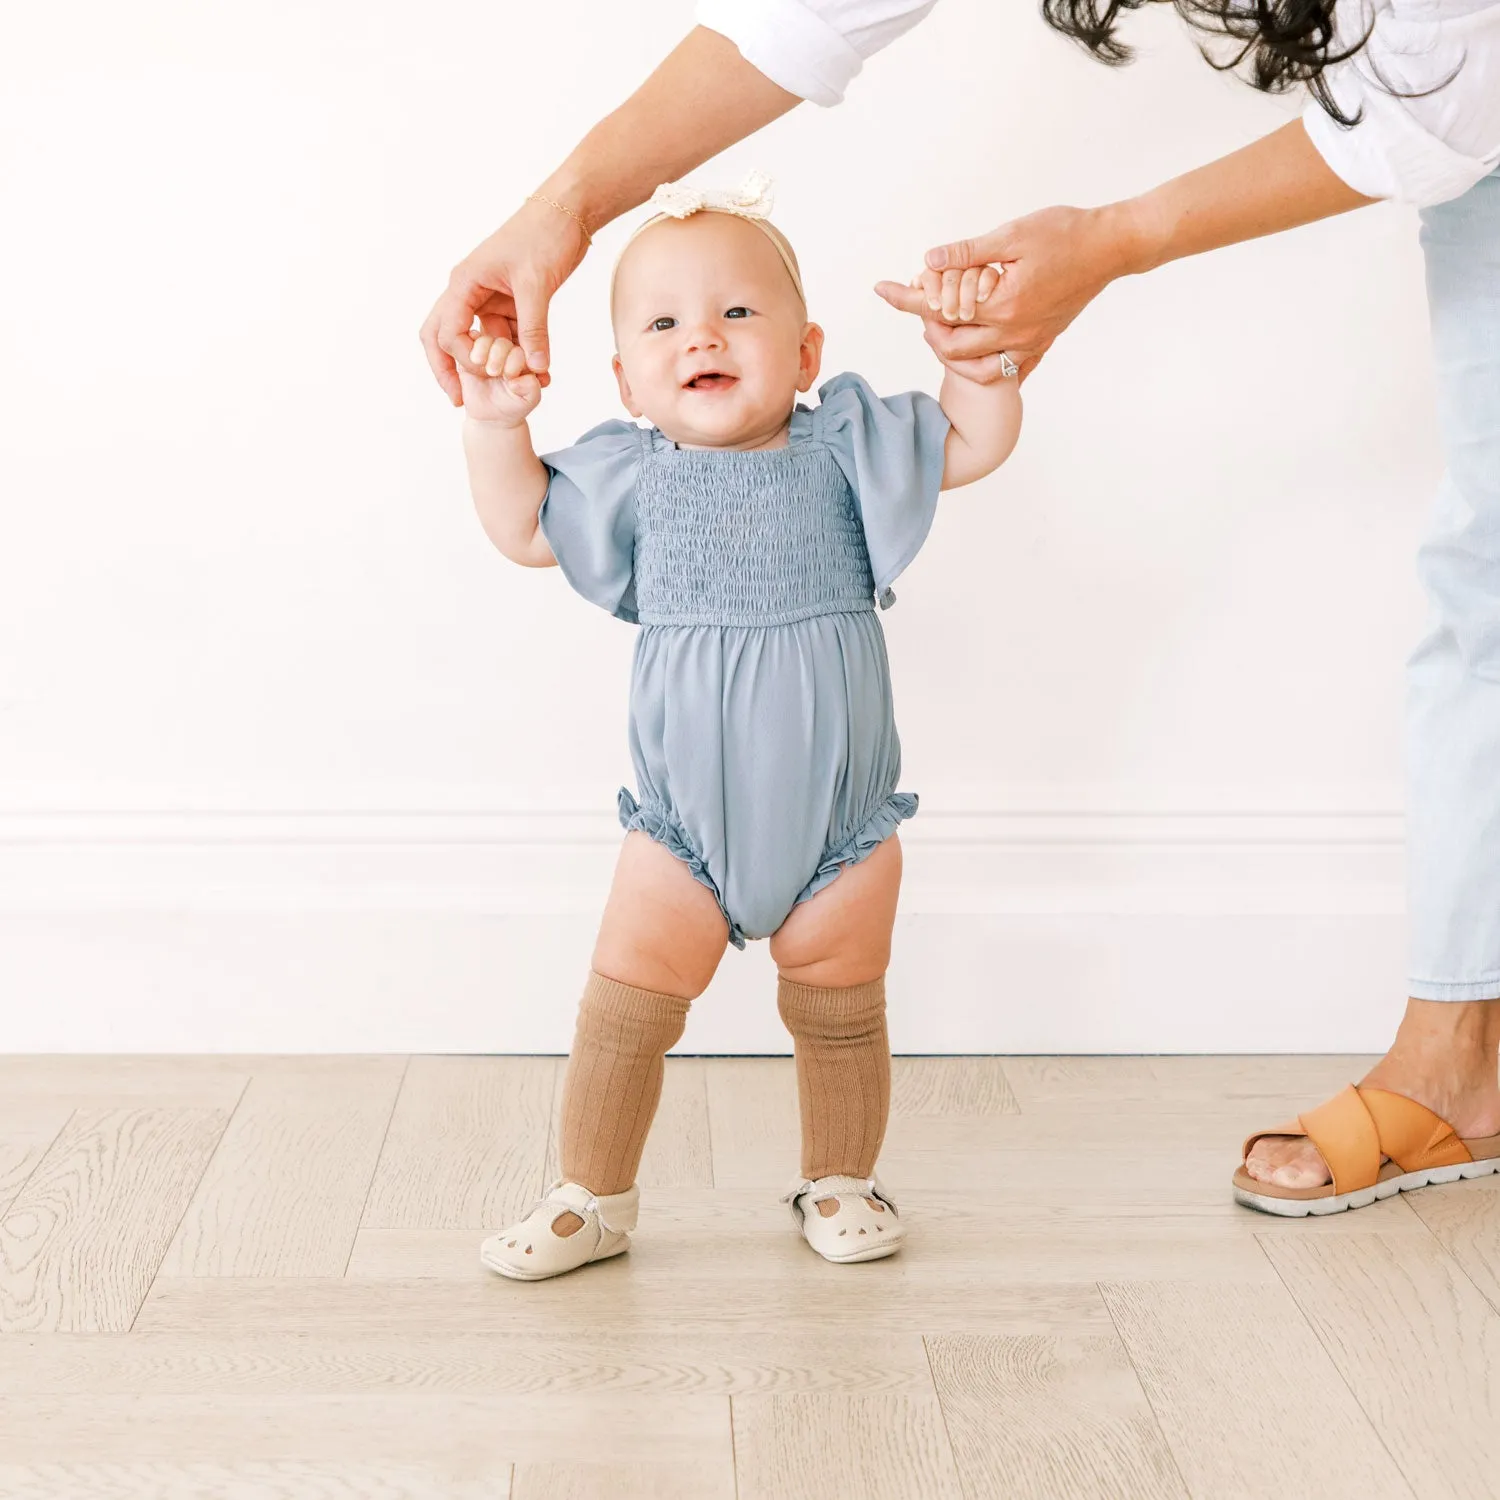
(711,380)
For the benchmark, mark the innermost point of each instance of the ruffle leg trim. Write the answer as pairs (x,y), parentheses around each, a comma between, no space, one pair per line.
(862,843)
(658,824)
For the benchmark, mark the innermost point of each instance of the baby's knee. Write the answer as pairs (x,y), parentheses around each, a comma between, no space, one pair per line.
(667,969)
(830,956)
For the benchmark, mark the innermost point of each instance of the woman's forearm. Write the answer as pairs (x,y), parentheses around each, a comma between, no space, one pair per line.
(701,99)
(1278,182)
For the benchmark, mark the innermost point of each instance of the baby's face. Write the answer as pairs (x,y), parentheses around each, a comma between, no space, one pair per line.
(713,340)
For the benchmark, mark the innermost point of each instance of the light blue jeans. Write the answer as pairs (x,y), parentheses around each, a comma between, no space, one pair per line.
(1453,714)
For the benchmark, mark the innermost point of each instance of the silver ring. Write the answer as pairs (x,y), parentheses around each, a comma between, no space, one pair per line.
(1008,366)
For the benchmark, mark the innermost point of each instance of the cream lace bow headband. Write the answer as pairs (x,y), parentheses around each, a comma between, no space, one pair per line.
(752,202)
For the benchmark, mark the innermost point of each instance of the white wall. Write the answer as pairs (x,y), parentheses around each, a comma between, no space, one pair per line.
(289,757)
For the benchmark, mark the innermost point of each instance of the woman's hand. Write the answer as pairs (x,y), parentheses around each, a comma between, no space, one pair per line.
(497,387)
(507,282)
(1053,264)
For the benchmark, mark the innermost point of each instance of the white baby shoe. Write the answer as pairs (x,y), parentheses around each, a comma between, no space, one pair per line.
(857,1231)
(531,1251)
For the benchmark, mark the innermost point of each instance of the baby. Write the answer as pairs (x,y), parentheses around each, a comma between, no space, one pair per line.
(749,537)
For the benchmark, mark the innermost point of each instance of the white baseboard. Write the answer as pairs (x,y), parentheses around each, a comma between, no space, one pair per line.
(470,932)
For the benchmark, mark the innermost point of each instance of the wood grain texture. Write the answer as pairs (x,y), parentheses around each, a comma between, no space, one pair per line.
(967,1088)
(104,1082)
(1464,1217)
(707,1478)
(286,1188)
(842,1448)
(681,1242)
(247,1481)
(1249,1402)
(1416,1343)
(27,1129)
(82,1240)
(1037,1418)
(471,1436)
(616,1295)
(1080,1308)
(467,1143)
(559,1362)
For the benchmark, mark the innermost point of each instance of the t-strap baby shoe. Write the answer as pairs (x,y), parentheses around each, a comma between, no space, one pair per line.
(865,1227)
(532,1250)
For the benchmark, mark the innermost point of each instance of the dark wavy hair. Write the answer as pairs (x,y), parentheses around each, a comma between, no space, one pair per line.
(1283,43)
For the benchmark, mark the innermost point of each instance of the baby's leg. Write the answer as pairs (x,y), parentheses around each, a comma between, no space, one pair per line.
(660,940)
(832,952)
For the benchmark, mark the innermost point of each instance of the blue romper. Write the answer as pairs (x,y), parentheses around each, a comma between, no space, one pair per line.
(761,720)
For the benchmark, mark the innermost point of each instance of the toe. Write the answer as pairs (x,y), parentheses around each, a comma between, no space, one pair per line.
(1287,1162)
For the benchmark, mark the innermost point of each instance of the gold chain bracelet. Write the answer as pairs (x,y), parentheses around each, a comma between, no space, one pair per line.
(562,208)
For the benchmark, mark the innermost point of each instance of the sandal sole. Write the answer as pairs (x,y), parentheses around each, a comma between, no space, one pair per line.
(1301,1208)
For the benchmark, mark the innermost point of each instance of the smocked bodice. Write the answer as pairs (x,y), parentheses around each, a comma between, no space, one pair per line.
(763,538)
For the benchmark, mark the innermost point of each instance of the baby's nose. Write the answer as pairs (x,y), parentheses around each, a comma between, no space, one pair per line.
(705,337)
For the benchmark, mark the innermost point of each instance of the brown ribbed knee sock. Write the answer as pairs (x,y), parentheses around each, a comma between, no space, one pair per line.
(613,1082)
(843,1073)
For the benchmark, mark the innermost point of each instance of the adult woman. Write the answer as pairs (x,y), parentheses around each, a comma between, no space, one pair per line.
(1406,105)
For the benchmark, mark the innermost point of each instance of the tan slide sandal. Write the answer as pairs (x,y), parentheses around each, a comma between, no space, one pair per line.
(1356,1129)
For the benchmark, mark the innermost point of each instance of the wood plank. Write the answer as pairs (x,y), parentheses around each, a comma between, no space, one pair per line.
(709,1478)
(1248,1401)
(1183,1084)
(677,1153)
(246,1481)
(471,1436)
(1043,1417)
(82,1240)
(614,1294)
(1416,1343)
(966,1088)
(842,1448)
(27,1129)
(683,1237)
(285,1191)
(104,1081)
(1465,1218)
(721,1361)
(467,1144)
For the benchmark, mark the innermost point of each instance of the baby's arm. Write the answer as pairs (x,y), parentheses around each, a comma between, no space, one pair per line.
(986,421)
(507,479)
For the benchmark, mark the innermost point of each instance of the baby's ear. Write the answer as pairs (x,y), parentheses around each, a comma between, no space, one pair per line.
(624,385)
(811,357)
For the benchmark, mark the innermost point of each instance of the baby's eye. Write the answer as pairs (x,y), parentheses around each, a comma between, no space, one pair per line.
(738,312)
(660,325)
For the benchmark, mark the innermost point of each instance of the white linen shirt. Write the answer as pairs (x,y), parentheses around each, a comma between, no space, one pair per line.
(1416,150)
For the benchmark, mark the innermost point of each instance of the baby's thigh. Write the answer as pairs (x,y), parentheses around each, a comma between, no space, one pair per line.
(842,935)
(661,930)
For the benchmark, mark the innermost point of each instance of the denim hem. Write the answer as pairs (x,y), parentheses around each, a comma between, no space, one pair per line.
(1446,989)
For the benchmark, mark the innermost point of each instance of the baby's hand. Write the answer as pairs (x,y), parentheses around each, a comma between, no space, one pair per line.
(953,295)
(497,386)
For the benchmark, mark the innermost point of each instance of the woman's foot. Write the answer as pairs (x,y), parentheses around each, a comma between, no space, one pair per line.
(1444,1057)
(570,1227)
(846,1218)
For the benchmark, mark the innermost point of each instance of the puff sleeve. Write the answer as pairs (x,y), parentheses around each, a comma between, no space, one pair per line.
(891,451)
(588,514)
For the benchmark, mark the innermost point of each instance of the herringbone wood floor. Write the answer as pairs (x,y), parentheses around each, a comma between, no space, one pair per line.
(257,1277)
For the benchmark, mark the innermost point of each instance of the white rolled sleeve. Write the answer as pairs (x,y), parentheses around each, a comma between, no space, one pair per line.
(811,48)
(1440,139)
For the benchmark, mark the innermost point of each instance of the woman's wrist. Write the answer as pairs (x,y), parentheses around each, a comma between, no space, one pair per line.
(1128,236)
